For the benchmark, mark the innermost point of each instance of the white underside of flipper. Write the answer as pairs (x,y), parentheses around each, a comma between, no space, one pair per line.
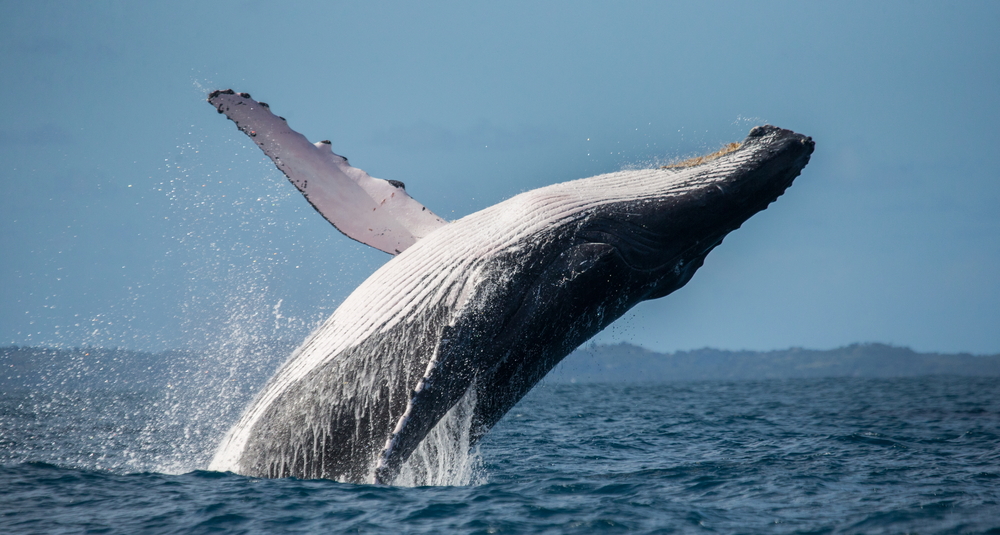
(370,210)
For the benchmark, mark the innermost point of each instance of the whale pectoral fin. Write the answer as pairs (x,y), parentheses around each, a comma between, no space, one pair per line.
(370,210)
(446,380)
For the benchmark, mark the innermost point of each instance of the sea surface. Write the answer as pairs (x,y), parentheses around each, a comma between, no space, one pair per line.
(919,455)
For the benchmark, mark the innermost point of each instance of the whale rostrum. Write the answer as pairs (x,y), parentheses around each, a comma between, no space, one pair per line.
(480,308)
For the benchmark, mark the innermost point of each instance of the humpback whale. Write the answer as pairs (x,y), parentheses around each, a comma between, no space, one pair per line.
(479,308)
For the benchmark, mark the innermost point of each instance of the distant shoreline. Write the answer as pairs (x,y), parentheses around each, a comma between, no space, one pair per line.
(630,363)
(30,367)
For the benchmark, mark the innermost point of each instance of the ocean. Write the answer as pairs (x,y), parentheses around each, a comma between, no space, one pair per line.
(839,455)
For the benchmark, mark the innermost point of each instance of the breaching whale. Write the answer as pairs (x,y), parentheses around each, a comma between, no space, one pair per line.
(483,306)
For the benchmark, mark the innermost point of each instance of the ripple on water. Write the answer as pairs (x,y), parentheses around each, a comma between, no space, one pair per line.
(807,456)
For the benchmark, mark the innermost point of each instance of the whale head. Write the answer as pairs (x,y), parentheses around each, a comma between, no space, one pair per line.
(673,221)
(610,242)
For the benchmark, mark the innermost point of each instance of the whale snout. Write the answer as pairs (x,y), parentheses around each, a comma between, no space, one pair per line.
(777,140)
(766,129)
(775,157)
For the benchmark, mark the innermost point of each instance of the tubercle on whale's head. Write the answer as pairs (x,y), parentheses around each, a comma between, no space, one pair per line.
(691,162)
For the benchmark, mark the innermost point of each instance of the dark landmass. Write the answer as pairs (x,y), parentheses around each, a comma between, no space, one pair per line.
(628,363)
(85,368)
(88,367)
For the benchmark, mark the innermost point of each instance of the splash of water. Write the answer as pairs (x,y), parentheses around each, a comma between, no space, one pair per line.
(208,389)
(232,341)
(446,456)
(233,247)
(231,351)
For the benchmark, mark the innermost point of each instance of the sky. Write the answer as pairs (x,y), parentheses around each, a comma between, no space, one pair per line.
(132,215)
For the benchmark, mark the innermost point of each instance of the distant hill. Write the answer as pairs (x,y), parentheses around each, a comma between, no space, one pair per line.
(32,367)
(88,367)
(83,367)
(629,363)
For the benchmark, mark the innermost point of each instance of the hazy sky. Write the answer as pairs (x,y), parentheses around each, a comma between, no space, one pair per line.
(133,215)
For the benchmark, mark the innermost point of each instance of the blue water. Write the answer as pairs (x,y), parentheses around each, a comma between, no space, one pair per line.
(793,456)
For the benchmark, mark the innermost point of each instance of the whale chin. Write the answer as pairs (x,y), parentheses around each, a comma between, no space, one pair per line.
(470,315)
